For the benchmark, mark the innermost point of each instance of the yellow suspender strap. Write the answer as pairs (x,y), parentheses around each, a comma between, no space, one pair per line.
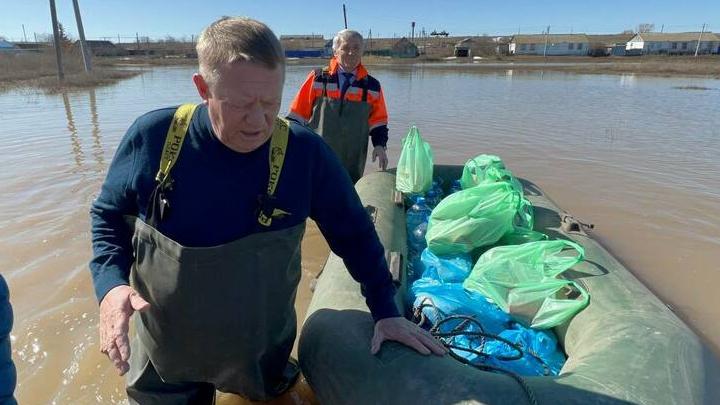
(278,146)
(174,140)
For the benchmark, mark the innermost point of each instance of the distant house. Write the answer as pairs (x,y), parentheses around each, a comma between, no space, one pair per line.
(463,49)
(304,53)
(501,45)
(404,49)
(32,46)
(301,37)
(103,48)
(553,44)
(657,43)
(303,46)
(605,45)
(8,47)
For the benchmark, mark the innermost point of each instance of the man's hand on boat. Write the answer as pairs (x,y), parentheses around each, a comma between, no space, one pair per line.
(115,310)
(380,154)
(401,330)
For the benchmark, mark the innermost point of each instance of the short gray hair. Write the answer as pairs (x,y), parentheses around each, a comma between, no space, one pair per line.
(232,39)
(344,35)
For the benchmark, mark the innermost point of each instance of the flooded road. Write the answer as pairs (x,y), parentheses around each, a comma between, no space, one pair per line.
(636,156)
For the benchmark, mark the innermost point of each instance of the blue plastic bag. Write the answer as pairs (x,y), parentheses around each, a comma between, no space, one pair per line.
(437,301)
(446,269)
(541,353)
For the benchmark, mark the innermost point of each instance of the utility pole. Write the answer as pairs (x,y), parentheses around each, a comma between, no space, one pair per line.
(412,34)
(547,33)
(83,46)
(697,47)
(662,28)
(345,15)
(56,39)
(137,40)
(24,36)
(370,39)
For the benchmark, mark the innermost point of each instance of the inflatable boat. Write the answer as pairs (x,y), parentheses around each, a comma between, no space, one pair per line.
(625,347)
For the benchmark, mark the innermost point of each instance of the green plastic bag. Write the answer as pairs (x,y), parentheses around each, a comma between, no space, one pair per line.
(522,280)
(415,167)
(484,169)
(475,217)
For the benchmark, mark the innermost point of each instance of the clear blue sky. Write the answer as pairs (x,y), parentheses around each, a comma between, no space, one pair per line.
(158,19)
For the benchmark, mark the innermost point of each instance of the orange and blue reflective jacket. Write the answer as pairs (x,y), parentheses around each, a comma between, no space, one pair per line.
(312,89)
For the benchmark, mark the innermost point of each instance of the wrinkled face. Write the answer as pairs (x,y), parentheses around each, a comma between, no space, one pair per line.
(243,103)
(348,53)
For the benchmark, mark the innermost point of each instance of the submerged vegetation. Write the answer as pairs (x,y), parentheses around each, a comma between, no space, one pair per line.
(39,70)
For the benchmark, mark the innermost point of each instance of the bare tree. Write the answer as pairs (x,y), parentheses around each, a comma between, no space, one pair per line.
(645,27)
(65,39)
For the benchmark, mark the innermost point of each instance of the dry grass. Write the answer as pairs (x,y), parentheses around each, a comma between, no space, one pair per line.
(38,70)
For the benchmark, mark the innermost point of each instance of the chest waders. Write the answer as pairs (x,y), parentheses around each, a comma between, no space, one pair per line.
(343,124)
(221,317)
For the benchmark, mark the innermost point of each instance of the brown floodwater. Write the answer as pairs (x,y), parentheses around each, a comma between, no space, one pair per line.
(636,156)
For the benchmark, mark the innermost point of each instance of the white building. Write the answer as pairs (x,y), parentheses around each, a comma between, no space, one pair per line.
(553,44)
(673,43)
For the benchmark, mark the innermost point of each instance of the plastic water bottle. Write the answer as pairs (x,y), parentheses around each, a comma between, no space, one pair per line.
(417,214)
(416,245)
(417,217)
(431,198)
(417,238)
(437,187)
(412,198)
(456,186)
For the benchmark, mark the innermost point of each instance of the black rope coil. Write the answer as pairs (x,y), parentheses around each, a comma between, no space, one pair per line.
(446,338)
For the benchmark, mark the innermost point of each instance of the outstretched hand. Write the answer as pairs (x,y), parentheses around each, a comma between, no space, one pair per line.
(115,310)
(403,331)
(379,153)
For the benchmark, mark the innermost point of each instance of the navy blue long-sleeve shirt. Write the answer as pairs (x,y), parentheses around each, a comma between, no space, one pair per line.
(214,200)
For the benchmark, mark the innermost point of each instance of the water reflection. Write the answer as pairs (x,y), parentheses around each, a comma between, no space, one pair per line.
(627,80)
(98,152)
(74,139)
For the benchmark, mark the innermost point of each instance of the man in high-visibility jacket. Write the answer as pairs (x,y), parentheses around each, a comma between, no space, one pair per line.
(345,105)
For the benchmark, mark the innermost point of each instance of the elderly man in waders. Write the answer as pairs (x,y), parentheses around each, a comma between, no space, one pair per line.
(198,228)
(345,105)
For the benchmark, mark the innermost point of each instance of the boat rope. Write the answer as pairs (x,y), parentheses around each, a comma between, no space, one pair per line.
(446,338)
